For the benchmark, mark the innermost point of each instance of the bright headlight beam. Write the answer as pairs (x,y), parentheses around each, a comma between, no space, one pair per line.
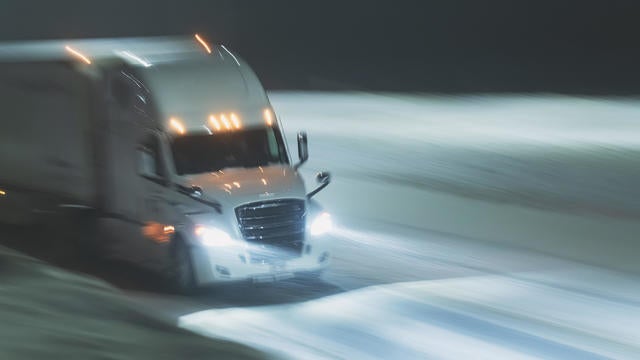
(213,237)
(322,224)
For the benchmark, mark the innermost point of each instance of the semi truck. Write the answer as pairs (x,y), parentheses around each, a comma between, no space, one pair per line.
(163,152)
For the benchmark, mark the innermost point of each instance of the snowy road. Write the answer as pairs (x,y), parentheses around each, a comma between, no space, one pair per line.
(473,227)
(468,228)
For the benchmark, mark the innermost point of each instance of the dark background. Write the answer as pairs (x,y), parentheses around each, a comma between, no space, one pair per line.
(451,46)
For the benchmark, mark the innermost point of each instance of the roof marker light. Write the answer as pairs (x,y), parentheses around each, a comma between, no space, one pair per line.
(203,43)
(268,116)
(235,120)
(175,123)
(225,121)
(78,54)
(214,122)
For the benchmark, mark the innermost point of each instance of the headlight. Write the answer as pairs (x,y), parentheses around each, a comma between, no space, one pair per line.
(321,224)
(210,236)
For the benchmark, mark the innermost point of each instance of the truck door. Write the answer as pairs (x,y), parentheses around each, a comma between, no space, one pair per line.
(154,199)
(135,177)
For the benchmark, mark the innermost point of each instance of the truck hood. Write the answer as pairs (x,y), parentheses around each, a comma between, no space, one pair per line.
(232,187)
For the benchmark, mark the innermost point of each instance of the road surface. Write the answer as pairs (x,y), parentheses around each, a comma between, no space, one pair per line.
(472,227)
(467,227)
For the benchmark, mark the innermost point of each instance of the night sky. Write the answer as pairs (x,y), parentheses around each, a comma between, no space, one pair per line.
(451,46)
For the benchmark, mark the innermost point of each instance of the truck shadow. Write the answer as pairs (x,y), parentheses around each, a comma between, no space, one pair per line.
(131,278)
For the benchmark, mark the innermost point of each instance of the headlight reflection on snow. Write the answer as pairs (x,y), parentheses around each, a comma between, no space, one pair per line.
(425,319)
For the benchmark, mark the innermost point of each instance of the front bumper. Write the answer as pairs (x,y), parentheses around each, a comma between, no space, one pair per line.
(234,263)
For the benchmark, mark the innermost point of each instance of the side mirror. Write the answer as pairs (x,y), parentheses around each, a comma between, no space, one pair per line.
(323,178)
(303,150)
(195,191)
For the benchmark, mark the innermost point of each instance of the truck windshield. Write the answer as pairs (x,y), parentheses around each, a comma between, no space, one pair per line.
(201,153)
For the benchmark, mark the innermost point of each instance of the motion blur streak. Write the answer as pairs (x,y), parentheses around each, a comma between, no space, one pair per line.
(268,116)
(231,54)
(135,58)
(177,125)
(78,54)
(235,120)
(214,122)
(203,43)
(225,121)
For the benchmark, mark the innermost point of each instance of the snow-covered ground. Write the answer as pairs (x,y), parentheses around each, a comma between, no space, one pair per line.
(469,227)
(49,313)
(551,173)
(579,155)
(479,317)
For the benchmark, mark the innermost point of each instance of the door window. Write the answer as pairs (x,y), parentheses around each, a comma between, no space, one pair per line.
(150,163)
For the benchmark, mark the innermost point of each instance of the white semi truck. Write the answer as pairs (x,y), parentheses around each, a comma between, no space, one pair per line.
(164,152)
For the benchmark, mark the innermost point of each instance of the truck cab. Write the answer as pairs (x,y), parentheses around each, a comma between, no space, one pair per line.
(227,145)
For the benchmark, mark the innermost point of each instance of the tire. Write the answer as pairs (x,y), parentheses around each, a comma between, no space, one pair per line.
(182,276)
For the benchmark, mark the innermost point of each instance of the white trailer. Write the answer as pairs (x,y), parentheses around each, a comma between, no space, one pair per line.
(169,148)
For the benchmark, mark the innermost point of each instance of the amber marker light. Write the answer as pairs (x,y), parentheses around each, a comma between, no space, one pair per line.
(203,43)
(236,121)
(175,123)
(78,54)
(226,122)
(268,116)
(214,122)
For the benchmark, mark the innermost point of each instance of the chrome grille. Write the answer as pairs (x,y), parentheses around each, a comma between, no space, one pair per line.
(277,226)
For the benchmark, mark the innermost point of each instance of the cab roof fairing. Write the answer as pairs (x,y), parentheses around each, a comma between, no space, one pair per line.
(152,50)
(208,83)
(194,90)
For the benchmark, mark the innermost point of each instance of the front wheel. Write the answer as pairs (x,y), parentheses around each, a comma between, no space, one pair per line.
(181,273)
